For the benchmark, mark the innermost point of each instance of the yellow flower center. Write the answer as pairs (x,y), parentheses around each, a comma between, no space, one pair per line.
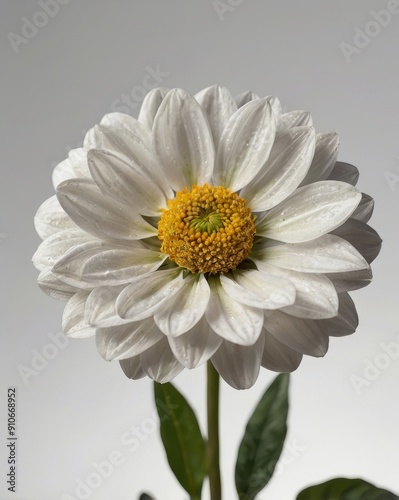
(208,229)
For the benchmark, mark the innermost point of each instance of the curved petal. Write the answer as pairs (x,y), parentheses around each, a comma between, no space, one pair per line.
(324,158)
(344,172)
(287,165)
(316,297)
(134,145)
(182,141)
(345,282)
(117,132)
(310,212)
(100,308)
(245,145)
(51,218)
(365,209)
(159,363)
(303,335)
(186,308)
(362,237)
(126,341)
(278,357)
(346,321)
(105,264)
(146,294)
(257,289)
(56,245)
(327,254)
(124,182)
(150,106)
(230,319)
(132,368)
(245,97)
(196,346)
(239,365)
(74,166)
(73,319)
(295,119)
(99,215)
(218,105)
(54,287)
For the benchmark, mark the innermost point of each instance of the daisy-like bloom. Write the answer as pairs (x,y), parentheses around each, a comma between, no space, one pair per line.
(210,228)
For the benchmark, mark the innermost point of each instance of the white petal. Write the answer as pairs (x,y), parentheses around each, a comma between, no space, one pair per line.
(344,172)
(99,215)
(324,159)
(239,365)
(56,245)
(346,321)
(73,320)
(278,357)
(134,144)
(74,166)
(124,125)
(186,308)
(287,165)
(365,209)
(196,346)
(218,105)
(245,97)
(345,282)
(327,254)
(245,145)
(125,182)
(101,307)
(159,363)
(105,264)
(117,132)
(316,297)
(51,218)
(183,141)
(230,319)
(310,212)
(363,237)
(132,368)
(304,336)
(54,287)
(295,119)
(257,289)
(150,106)
(126,341)
(146,294)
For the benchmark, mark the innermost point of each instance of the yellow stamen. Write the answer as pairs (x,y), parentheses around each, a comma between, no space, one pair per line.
(208,229)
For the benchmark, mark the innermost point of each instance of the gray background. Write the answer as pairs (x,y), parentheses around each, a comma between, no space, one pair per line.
(75,409)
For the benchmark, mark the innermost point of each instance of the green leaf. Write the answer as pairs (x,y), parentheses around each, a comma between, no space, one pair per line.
(263,440)
(345,489)
(181,437)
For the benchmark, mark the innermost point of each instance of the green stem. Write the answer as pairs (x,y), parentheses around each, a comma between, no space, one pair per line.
(213,432)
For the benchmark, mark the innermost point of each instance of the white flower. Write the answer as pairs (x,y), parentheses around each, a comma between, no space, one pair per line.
(209,228)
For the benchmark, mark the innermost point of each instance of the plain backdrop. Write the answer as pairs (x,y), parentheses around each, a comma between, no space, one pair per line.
(60,73)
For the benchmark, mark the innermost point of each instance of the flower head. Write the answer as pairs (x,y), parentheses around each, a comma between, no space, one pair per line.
(210,228)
